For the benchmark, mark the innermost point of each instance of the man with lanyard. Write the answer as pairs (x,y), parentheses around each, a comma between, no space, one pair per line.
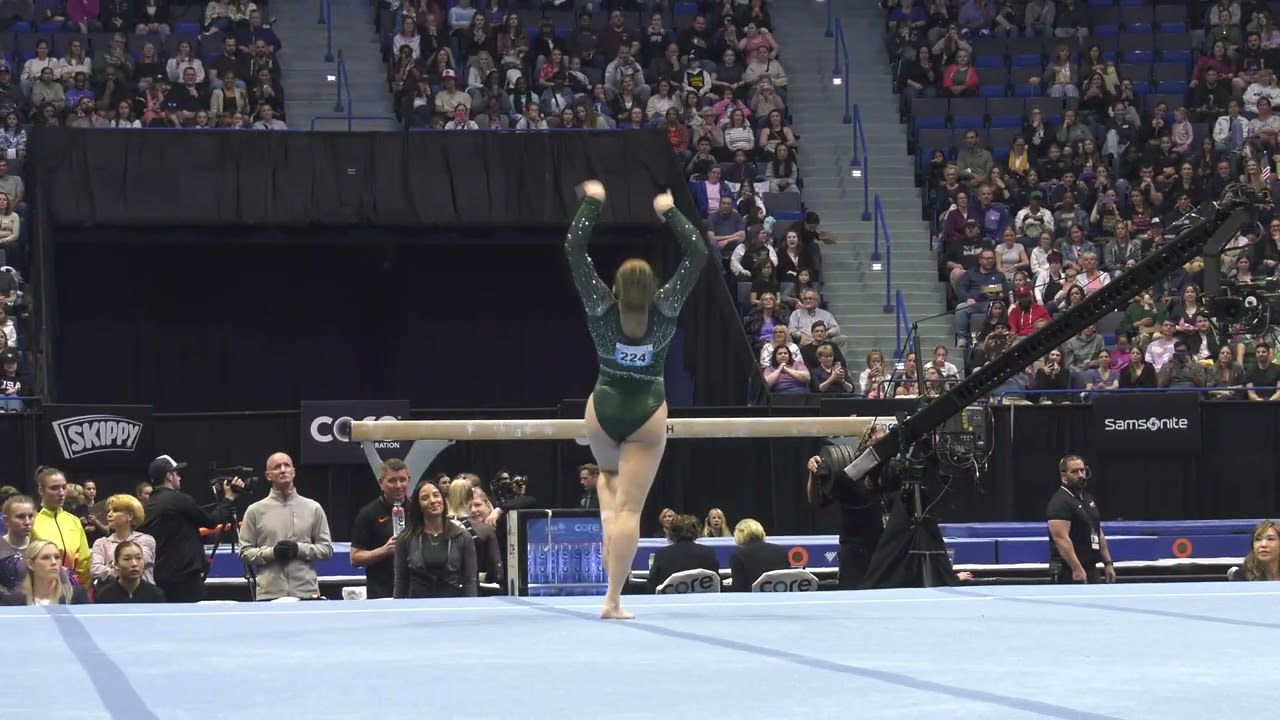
(1076,541)
(376,527)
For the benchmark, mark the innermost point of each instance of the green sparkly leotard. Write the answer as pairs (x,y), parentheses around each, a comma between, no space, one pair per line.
(630,386)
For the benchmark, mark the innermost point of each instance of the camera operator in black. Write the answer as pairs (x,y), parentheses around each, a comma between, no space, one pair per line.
(1076,541)
(174,519)
(861,520)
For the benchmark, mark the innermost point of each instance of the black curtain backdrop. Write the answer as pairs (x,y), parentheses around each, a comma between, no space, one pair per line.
(1237,475)
(281,267)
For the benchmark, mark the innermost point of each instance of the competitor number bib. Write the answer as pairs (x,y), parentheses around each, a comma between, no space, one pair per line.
(633,355)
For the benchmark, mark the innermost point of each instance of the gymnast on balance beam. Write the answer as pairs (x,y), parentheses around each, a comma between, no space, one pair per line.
(626,418)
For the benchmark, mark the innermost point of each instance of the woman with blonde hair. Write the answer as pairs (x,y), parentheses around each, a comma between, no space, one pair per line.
(124,515)
(716,524)
(755,556)
(45,583)
(632,327)
(460,500)
(1263,562)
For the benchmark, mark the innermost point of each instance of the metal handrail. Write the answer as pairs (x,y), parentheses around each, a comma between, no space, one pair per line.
(859,164)
(343,83)
(323,14)
(879,226)
(1122,391)
(829,14)
(837,78)
(326,17)
(903,320)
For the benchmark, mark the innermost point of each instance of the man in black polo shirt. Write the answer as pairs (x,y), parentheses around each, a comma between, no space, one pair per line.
(1076,541)
(1263,382)
(373,534)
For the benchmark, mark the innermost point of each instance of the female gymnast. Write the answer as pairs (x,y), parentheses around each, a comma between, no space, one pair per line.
(626,417)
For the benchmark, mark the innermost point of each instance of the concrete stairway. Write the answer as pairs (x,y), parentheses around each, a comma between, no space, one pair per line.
(854,291)
(310,83)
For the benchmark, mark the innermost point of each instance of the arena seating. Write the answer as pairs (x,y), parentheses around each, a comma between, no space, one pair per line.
(1152,56)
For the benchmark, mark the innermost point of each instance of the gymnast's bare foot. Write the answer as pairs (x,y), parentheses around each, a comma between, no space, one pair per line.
(592,189)
(663,203)
(615,612)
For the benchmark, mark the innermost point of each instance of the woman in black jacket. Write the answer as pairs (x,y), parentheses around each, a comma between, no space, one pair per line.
(435,557)
(684,552)
(755,556)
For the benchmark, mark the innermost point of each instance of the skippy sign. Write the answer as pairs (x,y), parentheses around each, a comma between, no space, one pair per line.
(100,436)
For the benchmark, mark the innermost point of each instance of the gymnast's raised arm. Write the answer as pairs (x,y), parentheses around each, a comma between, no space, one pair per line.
(596,297)
(671,297)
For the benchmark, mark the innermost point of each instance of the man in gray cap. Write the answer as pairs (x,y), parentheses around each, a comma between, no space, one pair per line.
(174,519)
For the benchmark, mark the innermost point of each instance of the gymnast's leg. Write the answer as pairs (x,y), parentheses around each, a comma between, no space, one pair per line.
(606,452)
(627,489)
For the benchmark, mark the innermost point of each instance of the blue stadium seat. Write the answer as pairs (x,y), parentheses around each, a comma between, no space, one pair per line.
(929,113)
(1006,112)
(1176,47)
(1137,47)
(1026,52)
(49,27)
(1020,78)
(968,113)
(186,28)
(1137,18)
(1106,21)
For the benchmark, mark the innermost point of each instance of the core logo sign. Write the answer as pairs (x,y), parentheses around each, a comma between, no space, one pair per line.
(91,434)
(1153,424)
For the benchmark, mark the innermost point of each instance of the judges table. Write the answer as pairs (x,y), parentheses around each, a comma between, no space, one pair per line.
(988,546)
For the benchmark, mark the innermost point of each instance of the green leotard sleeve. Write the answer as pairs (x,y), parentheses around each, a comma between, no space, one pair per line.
(672,295)
(596,297)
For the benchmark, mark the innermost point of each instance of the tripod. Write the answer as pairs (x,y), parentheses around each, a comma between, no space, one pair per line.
(911,552)
(250,572)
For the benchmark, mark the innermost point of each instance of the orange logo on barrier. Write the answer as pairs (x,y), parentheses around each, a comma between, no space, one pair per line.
(1182,548)
(798,556)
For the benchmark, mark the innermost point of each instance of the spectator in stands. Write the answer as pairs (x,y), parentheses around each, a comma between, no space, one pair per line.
(1050,375)
(1227,375)
(589,477)
(725,227)
(248,38)
(44,583)
(1161,348)
(47,91)
(284,535)
(407,38)
(124,515)
(941,364)
(786,373)
(977,288)
(778,339)
(1263,382)
(1026,312)
(684,552)
(829,376)
(808,353)
(748,256)
(1182,370)
(755,555)
(802,320)
(1080,354)
(764,65)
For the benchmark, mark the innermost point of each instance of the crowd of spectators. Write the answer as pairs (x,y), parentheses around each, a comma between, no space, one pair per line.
(1056,141)
(115,64)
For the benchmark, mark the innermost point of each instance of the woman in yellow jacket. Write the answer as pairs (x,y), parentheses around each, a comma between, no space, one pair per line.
(60,527)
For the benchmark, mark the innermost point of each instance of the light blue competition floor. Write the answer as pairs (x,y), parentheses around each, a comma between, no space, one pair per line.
(1120,651)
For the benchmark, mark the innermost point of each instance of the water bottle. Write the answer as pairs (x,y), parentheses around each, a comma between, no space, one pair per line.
(397,519)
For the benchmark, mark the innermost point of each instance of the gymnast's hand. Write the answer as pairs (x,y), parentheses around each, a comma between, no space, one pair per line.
(592,189)
(815,463)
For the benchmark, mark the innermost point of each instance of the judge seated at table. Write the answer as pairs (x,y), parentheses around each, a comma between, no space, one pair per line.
(684,552)
(755,556)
